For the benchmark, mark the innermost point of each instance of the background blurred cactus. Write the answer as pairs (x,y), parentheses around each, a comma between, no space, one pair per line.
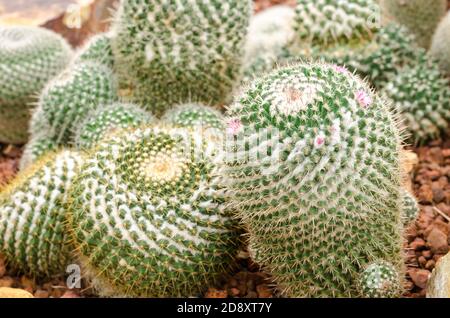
(175,52)
(419,16)
(29,58)
(98,49)
(410,207)
(322,202)
(440,46)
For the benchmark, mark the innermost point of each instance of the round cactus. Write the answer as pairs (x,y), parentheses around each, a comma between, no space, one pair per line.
(419,16)
(322,22)
(440,45)
(193,116)
(68,99)
(148,215)
(106,119)
(29,58)
(33,216)
(315,175)
(175,52)
(98,49)
(422,95)
(410,207)
(37,147)
(380,280)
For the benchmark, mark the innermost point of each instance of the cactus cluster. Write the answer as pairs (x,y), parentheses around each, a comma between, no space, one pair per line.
(440,45)
(175,52)
(29,58)
(98,49)
(148,215)
(321,196)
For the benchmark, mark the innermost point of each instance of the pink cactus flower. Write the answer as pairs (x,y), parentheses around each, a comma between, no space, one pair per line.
(340,69)
(319,141)
(363,98)
(234,126)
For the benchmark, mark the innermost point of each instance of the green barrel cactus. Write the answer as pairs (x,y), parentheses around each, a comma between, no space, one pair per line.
(440,45)
(98,49)
(194,115)
(29,58)
(419,16)
(69,98)
(33,215)
(107,119)
(410,207)
(148,215)
(422,95)
(314,171)
(172,52)
(37,147)
(380,280)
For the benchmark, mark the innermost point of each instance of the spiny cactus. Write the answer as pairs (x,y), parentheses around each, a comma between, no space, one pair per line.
(380,280)
(422,95)
(419,16)
(148,215)
(325,21)
(315,174)
(29,58)
(193,116)
(180,51)
(97,49)
(106,119)
(68,99)
(37,147)
(33,215)
(410,207)
(440,45)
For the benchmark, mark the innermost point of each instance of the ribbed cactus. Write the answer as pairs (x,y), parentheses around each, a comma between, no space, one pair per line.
(421,17)
(33,215)
(324,21)
(172,52)
(422,95)
(29,58)
(410,207)
(107,119)
(69,98)
(314,173)
(440,45)
(148,215)
(97,49)
(37,147)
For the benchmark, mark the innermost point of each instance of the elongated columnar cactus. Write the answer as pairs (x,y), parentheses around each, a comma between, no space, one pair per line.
(29,58)
(440,46)
(68,99)
(419,16)
(422,95)
(97,49)
(32,216)
(148,215)
(107,119)
(315,174)
(172,52)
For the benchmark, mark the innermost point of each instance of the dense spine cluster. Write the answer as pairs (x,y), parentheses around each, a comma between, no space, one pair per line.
(98,49)
(172,52)
(148,215)
(29,58)
(410,207)
(37,147)
(33,215)
(315,174)
(380,280)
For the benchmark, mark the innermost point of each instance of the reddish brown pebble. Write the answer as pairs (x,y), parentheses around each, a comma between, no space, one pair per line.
(437,241)
(427,254)
(418,244)
(6,281)
(70,294)
(422,261)
(234,292)
(41,293)
(263,291)
(430,264)
(215,293)
(419,277)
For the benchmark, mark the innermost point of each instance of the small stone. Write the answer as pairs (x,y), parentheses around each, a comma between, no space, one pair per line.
(251,294)
(6,281)
(70,294)
(437,241)
(234,292)
(422,261)
(427,254)
(7,292)
(263,291)
(419,277)
(215,293)
(425,194)
(233,282)
(436,155)
(41,293)
(430,264)
(418,244)
(28,284)
(438,194)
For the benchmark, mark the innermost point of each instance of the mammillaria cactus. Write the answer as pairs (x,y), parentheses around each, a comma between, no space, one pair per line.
(419,16)
(37,147)
(67,100)
(380,280)
(97,49)
(148,215)
(29,58)
(33,215)
(195,115)
(440,45)
(422,95)
(107,119)
(174,52)
(410,207)
(315,173)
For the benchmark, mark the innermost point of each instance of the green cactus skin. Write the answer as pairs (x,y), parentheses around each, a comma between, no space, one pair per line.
(29,58)
(440,45)
(69,98)
(380,280)
(410,207)
(419,16)
(322,200)
(422,95)
(193,116)
(325,21)
(98,49)
(105,120)
(33,216)
(173,52)
(37,147)
(148,215)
